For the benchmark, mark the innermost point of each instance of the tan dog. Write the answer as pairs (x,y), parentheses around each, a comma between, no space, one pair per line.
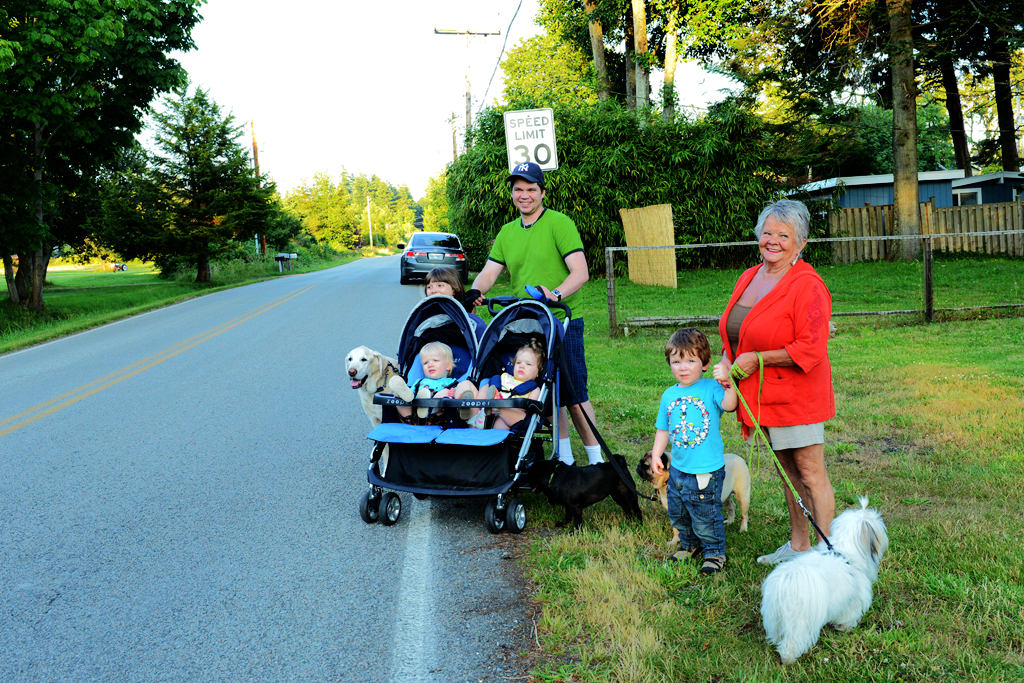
(370,373)
(737,482)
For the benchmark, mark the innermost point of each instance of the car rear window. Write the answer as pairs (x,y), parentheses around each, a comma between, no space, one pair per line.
(447,241)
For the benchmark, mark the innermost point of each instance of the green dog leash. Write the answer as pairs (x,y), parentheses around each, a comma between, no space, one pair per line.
(738,372)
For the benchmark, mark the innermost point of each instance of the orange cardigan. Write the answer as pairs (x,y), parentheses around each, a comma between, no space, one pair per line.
(794,315)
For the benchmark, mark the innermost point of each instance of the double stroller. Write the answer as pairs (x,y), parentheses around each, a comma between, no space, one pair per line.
(449,458)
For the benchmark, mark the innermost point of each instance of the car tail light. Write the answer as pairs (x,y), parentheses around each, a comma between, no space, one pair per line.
(414,254)
(460,257)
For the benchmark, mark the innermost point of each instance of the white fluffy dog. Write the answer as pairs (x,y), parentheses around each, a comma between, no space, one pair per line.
(820,587)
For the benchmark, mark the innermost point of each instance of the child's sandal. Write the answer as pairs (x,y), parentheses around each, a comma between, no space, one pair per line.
(713,564)
(466,414)
(423,411)
(684,555)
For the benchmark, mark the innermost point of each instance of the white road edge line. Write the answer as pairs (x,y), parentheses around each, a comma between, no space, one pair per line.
(414,630)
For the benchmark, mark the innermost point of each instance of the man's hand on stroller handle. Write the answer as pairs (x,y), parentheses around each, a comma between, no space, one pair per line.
(542,293)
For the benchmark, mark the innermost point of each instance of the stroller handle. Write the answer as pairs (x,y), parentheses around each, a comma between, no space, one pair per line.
(503,301)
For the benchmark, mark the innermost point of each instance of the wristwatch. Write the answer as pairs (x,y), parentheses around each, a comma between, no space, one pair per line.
(557,294)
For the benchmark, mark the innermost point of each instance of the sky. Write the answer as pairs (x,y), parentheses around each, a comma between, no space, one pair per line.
(362,87)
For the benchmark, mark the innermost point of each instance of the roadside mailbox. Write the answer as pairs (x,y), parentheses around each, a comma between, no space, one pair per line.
(282,259)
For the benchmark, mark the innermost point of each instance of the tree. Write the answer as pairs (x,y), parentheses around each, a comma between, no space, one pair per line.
(818,49)
(668,91)
(435,204)
(598,28)
(197,196)
(342,214)
(976,38)
(327,211)
(857,140)
(641,57)
(543,71)
(904,95)
(75,79)
(1000,64)
(946,37)
(392,210)
(597,49)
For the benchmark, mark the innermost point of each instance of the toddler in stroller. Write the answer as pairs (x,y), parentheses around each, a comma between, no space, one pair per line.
(522,383)
(437,363)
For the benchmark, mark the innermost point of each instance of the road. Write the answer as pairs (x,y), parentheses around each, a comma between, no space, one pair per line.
(179,501)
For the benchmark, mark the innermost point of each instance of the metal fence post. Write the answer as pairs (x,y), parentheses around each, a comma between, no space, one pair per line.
(609,274)
(929,302)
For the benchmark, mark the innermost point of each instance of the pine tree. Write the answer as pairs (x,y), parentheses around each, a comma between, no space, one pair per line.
(203,172)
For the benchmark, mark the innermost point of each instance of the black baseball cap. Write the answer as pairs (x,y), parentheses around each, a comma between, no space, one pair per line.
(529,172)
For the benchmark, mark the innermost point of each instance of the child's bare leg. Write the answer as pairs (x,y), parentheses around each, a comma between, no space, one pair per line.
(510,416)
(466,389)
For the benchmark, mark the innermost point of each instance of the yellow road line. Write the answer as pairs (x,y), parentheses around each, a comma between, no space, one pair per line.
(54,405)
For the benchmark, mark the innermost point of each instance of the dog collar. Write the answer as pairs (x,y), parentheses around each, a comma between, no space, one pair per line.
(389,370)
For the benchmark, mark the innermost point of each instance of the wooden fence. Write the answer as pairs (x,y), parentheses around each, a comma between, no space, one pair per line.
(959,226)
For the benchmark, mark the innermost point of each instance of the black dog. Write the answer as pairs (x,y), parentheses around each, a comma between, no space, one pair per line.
(575,488)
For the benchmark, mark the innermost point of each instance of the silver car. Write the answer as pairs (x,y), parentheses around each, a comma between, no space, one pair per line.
(428,250)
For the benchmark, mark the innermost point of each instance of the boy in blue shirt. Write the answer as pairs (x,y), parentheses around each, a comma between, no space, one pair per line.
(689,424)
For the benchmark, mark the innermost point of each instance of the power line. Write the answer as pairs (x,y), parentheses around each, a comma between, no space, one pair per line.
(467,33)
(501,54)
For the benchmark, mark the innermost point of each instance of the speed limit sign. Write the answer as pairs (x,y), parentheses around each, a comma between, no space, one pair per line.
(530,136)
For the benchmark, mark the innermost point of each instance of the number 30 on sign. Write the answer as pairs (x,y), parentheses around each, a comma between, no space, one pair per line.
(530,136)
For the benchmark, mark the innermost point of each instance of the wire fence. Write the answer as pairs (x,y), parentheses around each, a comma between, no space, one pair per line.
(705,289)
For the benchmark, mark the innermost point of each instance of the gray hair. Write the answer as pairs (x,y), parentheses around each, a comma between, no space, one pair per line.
(788,211)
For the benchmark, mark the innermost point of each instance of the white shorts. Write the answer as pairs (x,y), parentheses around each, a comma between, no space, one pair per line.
(797,436)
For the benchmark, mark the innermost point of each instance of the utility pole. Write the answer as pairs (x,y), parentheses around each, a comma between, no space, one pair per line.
(467,33)
(255,150)
(261,240)
(369,219)
(455,147)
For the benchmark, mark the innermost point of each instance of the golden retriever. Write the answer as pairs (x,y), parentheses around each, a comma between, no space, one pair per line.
(371,372)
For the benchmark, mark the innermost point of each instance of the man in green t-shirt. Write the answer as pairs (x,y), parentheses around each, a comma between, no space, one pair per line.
(543,248)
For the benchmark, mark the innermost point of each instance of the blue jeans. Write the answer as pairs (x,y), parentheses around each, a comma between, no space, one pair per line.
(697,513)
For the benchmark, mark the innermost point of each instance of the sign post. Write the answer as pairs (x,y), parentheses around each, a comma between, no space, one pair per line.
(530,136)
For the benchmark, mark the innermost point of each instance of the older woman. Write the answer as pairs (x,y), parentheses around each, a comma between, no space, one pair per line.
(780,310)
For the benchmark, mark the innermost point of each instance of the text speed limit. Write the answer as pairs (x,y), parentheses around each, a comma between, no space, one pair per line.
(530,136)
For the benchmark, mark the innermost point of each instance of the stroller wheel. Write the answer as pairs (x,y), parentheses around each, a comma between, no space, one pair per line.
(390,508)
(494,518)
(515,516)
(368,507)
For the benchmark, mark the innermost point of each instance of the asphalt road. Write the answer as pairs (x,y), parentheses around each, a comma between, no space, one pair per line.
(179,501)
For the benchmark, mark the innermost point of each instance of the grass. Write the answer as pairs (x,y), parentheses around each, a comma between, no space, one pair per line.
(930,426)
(77,298)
